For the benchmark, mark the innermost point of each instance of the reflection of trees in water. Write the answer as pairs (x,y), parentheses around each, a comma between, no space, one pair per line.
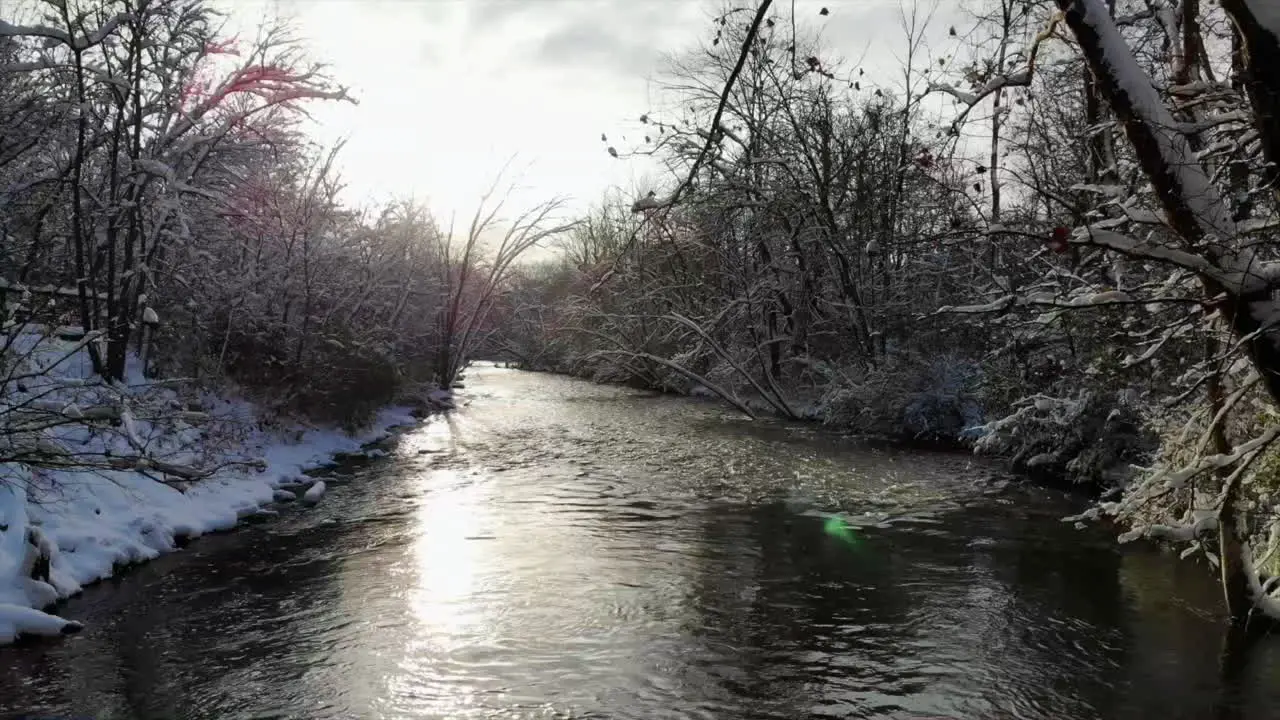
(786,606)
(1050,617)
(1249,670)
(1177,623)
(1035,620)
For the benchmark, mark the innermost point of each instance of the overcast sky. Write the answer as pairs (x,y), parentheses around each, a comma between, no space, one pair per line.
(448,89)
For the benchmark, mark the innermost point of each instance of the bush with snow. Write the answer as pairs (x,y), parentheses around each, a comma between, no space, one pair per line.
(1091,437)
(935,399)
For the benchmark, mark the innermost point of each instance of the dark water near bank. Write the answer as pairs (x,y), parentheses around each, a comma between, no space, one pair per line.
(576,551)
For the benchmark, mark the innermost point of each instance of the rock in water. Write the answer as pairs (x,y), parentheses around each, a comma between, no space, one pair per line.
(314,493)
(16,620)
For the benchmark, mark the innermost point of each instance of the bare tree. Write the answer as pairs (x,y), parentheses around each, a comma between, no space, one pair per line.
(472,281)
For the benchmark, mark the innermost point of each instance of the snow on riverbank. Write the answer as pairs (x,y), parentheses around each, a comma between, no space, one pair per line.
(62,528)
(87,524)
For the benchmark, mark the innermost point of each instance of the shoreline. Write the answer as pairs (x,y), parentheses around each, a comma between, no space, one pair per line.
(1038,476)
(74,529)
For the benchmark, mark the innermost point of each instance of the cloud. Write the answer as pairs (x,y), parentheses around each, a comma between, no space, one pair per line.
(584,45)
(610,36)
(450,89)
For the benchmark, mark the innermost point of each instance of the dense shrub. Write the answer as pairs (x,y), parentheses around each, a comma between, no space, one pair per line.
(1091,438)
(915,397)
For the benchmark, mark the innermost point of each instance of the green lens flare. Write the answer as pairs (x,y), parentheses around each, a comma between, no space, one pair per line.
(837,528)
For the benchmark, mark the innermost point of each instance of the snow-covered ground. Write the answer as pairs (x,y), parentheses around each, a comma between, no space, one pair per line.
(118,501)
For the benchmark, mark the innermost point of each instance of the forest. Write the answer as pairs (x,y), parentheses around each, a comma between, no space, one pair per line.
(164,205)
(1049,239)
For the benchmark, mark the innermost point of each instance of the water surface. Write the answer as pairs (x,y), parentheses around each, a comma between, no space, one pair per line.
(557,549)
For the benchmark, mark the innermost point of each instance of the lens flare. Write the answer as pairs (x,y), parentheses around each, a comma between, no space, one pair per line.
(836,527)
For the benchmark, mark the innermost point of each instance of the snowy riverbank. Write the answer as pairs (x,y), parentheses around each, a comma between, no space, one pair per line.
(113,486)
(87,525)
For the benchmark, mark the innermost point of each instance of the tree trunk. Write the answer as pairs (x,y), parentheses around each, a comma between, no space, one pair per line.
(1147,141)
(1261,45)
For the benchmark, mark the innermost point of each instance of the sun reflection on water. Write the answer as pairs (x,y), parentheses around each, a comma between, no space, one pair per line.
(448,557)
(446,551)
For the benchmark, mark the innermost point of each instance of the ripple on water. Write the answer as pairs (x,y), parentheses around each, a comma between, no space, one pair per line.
(643,557)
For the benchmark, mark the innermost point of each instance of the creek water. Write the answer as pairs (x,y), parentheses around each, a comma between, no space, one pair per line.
(558,549)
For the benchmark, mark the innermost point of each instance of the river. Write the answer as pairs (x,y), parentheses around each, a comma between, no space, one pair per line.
(558,549)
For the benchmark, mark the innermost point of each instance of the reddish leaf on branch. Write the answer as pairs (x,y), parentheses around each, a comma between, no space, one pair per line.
(1058,240)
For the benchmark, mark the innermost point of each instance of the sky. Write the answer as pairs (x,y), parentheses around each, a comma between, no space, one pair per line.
(449,90)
